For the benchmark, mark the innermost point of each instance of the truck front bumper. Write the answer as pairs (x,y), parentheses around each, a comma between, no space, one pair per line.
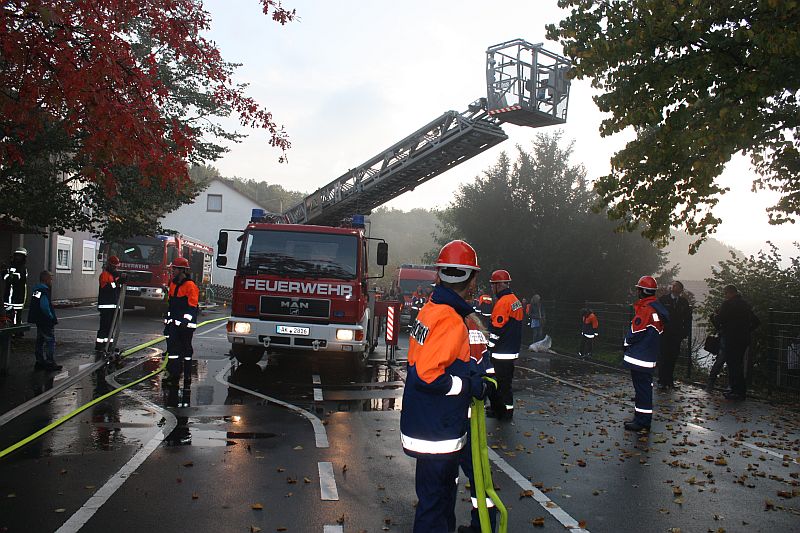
(305,336)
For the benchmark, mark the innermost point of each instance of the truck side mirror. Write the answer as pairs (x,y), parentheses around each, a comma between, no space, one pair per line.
(222,243)
(383,254)
(222,261)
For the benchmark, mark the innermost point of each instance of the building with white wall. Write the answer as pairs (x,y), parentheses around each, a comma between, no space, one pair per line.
(218,206)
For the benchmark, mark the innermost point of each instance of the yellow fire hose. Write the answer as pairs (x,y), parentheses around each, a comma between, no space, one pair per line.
(482,471)
(99,399)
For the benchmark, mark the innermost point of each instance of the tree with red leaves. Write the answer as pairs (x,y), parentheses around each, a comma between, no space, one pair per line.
(104,97)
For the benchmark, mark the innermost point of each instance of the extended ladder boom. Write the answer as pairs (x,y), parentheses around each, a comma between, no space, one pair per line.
(436,147)
(526,85)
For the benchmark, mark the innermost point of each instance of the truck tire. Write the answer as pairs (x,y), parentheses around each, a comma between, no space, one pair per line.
(247,355)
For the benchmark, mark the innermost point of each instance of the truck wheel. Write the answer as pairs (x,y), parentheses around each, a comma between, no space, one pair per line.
(247,355)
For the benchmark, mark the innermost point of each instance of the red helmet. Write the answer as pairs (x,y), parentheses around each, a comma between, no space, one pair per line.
(457,254)
(180,262)
(648,283)
(113,260)
(500,276)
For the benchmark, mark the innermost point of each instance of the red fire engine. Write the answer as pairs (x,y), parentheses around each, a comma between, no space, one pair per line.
(302,287)
(146,260)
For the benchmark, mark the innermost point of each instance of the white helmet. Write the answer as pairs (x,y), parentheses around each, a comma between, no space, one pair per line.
(21,251)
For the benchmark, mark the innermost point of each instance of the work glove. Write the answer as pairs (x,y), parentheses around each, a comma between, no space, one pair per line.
(482,386)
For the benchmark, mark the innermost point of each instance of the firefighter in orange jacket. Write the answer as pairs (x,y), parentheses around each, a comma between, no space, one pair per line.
(439,387)
(181,320)
(505,337)
(589,330)
(108,301)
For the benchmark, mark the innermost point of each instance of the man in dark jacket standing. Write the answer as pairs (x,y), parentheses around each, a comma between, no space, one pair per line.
(43,315)
(735,321)
(677,329)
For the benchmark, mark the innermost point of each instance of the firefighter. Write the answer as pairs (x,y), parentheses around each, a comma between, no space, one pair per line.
(642,348)
(181,320)
(15,280)
(485,309)
(589,327)
(108,301)
(433,422)
(417,301)
(505,337)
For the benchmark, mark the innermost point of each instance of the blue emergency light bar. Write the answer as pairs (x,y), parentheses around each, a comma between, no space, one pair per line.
(257,215)
(358,221)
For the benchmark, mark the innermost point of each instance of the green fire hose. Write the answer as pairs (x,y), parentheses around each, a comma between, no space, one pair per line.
(482,471)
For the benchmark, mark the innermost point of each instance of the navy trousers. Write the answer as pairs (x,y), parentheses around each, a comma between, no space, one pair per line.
(643,402)
(436,484)
(179,351)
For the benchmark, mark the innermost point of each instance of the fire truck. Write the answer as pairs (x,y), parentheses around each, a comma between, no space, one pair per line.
(301,276)
(145,261)
(407,279)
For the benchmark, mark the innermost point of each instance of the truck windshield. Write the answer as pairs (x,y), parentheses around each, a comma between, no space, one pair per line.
(291,253)
(408,286)
(139,250)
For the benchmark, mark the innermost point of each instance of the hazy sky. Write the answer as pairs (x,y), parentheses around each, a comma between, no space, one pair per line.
(351,78)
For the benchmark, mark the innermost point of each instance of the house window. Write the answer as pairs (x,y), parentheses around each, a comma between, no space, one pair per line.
(64,254)
(89,255)
(214,203)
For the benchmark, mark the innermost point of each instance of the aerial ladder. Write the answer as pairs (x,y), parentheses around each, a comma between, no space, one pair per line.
(526,85)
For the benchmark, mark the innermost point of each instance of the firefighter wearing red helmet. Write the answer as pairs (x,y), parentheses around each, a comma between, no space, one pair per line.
(110,286)
(181,321)
(505,337)
(439,386)
(642,347)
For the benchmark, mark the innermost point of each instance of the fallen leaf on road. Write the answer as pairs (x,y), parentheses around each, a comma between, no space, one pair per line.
(188,463)
(298,447)
(538,521)
(195,495)
(257,507)
(306,480)
(60,510)
(254,529)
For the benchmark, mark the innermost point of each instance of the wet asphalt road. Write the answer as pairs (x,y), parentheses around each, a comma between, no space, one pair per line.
(708,464)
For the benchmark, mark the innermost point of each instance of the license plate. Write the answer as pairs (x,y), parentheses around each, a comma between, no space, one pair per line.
(294,330)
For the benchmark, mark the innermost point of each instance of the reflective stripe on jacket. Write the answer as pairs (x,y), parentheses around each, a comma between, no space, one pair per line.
(642,342)
(15,279)
(505,331)
(183,303)
(436,396)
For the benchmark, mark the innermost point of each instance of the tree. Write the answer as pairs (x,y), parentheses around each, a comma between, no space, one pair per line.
(96,95)
(534,218)
(698,81)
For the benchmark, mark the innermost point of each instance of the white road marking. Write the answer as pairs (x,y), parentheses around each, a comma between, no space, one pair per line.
(327,482)
(315,379)
(99,498)
(78,316)
(557,512)
(320,435)
(318,395)
(206,332)
(333,529)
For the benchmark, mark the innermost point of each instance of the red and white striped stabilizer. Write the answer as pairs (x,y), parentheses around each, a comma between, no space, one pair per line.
(515,107)
(389,324)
